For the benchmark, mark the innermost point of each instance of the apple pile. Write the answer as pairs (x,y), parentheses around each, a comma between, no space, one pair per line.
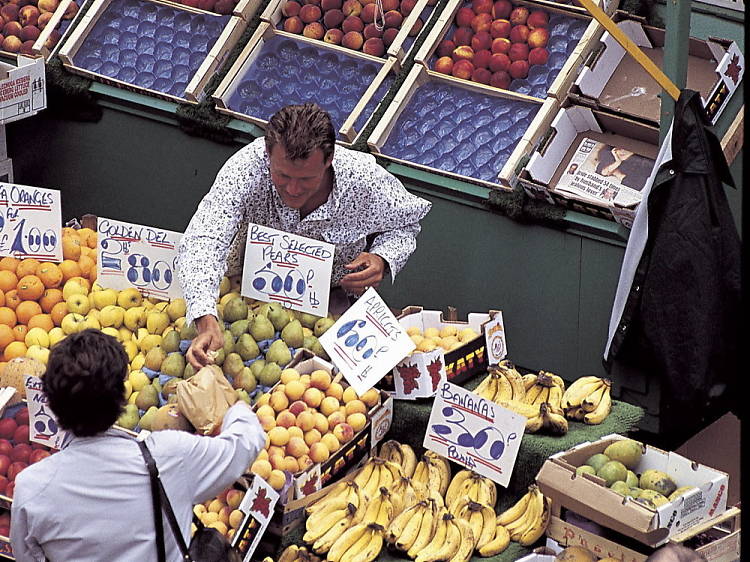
(16,452)
(222,513)
(307,418)
(494,43)
(23,21)
(354,24)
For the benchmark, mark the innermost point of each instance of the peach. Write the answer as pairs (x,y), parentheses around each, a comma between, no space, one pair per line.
(463,69)
(308,14)
(305,421)
(538,38)
(393,18)
(482,59)
(9,12)
(288,375)
(208,5)
(518,51)
(539,55)
(336,418)
(291,464)
(305,462)
(234,498)
(359,421)
(275,450)
(327,5)
(285,418)
(407,6)
(215,505)
(12,28)
(48,5)
(349,395)
(499,61)
(279,436)
(305,379)
(481,22)
(319,452)
(265,398)
(463,36)
(331,442)
(482,6)
(353,40)
(464,16)
(371,397)
(374,46)
(296,447)
(368,13)
(320,379)
(314,30)
(343,432)
(313,396)
(333,18)
(519,34)
(351,8)
(289,9)
(356,406)
(444,65)
(29,33)
(389,5)
(519,69)
(389,36)
(537,18)
(371,31)
(235,519)
(278,401)
(265,410)
(297,407)
(445,48)
(312,436)
(416,27)
(329,403)
(293,25)
(500,28)
(519,15)
(267,422)
(276,479)
(28,15)
(500,79)
(295,431)
(277,461)
(463,53)
(501,45)
(261,468)
(352,23)
(481,40)
(501,9)
(321,423)
(481,75)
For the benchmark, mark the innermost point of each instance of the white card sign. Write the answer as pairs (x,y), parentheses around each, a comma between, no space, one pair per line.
(289,269)
(30,223)
(366,342)
(43,426)
(474,432)
(133,255)
(494,334)
(257,505)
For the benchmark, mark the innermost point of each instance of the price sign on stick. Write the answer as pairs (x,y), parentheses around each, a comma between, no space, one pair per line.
(474,432)
(43,426)
(30,223)
(366,342)
(132,255)
(289,269)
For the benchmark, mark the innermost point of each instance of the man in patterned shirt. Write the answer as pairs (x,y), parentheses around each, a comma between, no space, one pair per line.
(296,180)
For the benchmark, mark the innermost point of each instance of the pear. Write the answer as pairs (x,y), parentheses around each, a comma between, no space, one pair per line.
(224,286)
(308,320)
(129,417)
(228,342)
(169,388)
(188,372)
(292,334)
(318,350)
(270,374)
(147,397)
(235,309)
(173,365)
(308,341)
(156,384)
(219,357)
(257,366)
(250,314)
(278,316)
(171,341)
(189,332)
(148,417)
(233,365)
(261,328)
(243,395)
(279,353)
(154,358)
(239,327)
(263,310)
(170,417)
(247,347)
(246,380)
(322,325)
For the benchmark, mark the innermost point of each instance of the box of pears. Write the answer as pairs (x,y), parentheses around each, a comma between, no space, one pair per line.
(631,488)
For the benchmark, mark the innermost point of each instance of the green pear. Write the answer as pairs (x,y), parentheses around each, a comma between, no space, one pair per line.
(156,384)
(246,380)
(243,395)
(278,316)
(189,332)
(308,341)
(257,366)
(154,358)
(318,350)
(322,325)
(219,357)
(247,347)
(233,365)
(270,374)
(235,309)
(292,334)
(171,341)
(129,418)
(224,286)
(261,328)
(173,365)
(148,417)
(169,388)
(188,372)
(239,327)
(308,320)
(147,397)
(228,342)
(279,353)
(263,310)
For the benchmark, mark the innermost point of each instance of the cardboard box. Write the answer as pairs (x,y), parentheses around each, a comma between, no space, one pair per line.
(195,89)
(23,89)
(588,497)
(566,128)
(715,69)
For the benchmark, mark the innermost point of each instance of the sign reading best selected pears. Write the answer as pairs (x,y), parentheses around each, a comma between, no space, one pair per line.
(133,255)
(30,222)
(366,342)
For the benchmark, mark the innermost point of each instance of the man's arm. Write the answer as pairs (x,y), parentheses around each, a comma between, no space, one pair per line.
(23,544)
(396,247)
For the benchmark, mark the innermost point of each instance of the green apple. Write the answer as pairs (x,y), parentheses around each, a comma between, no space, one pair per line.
(38,352)
(131,349)
(111,316)
(157,322)
(110,331)
(134,318)
(37,336)
(73,323)
(55,335)
(78,303)
(94,324)
(104,297)
(128,298)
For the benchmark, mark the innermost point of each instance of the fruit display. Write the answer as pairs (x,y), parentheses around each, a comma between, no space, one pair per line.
(447,338)
(222,7)
(23,23)
(222,513)
(525,522)
(588,399)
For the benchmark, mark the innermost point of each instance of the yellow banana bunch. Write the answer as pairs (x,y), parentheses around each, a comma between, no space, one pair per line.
(294,553)
(548,388)
(547,421)
(508,369)
(347,490)
(360,543)
(481,519)
(498,544)
(445,543)
(519,407)
(375,474)
(501,384)
(404,494)
(427,528)
(527,520)
(380,509)
(588,399)
(329,528)
(602,409)
(487,388)
(433,472)
(403,530)
(401,454)
(472,485)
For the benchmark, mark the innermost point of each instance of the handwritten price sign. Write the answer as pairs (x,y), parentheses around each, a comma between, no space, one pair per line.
(289,269)
(43,426)
(474,432)
(132,255)
(366,342)
(30,223)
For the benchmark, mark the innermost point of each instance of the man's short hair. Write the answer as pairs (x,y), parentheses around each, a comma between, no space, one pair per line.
(84,382)
(301,129)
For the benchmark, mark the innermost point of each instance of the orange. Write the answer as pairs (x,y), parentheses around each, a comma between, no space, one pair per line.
(27,267)
(90,252)
(71,247)
(68,231)
(69,268)
(8,263)
(50,274)
(2,298)
(88,237)
(20,331)
(43,321)
(30,288)
(50,298)
(6,336)
(87,265)
(26,309)
(58,312)
(12,300)
(8,280)
(14,349)
(7,316)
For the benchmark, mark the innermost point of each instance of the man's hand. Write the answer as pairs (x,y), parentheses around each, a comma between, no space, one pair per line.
(210,338)
(371,274)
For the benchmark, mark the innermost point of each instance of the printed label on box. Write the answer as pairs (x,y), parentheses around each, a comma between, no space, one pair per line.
(43,426)
(30,223)
(133,255)
(366,342)
(494,334)
(419,375)
(257,505)
(308,483)
(23,93)
(381,422)
(474,432)
(289,269)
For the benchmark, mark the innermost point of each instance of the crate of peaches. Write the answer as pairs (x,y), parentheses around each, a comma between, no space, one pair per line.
(35,27)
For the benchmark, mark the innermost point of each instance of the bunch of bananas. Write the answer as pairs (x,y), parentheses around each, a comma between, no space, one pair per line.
(503,383)
(360,543)
(433,472)
(381,509)
(544,387)
(525,522)
(401,454)
(547,420)
(588,399)
(342,492)
(294,553)
(405,493)
(469,484)
(453,540)
(324,527)
(377,473)
(481,519)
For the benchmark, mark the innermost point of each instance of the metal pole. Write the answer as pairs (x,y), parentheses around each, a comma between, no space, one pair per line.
(675,56)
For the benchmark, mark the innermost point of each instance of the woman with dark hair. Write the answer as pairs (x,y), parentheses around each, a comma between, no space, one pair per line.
(92,500)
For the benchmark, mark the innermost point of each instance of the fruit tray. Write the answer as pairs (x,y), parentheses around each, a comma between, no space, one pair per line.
(457,128)
(490,48)
(333,26)
(151,46)
(278,68)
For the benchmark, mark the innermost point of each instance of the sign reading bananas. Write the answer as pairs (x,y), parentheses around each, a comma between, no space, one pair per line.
(289,269)
(133,255)
(30,223)
(366,342)
(43,426)
(474,432)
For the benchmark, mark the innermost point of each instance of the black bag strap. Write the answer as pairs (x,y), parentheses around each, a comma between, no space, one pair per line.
(161,502)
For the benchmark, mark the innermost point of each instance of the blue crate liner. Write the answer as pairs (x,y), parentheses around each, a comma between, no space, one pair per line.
(291,72)
(149,45)
(459,131)
(565,33)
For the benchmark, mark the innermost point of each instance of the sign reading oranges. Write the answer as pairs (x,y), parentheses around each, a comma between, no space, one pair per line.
(30,222)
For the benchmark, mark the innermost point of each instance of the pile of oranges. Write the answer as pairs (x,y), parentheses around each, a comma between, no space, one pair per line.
(31,294)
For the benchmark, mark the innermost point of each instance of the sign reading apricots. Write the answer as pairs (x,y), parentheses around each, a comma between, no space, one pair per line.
(30,222)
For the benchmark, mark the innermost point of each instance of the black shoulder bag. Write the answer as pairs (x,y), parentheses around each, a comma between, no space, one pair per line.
(207,544)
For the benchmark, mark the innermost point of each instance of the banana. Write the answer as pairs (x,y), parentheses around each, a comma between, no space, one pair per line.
(403,495)
(363,501)
(456,486)
(555,397)
(290,553)
(365,473)
(411,529)
(534,424)
(420,472)
(522,408)
(515,511)
(397,526)
(530,518)
(482,388)
(438,539)
(575,413)
(326,539)
(448,549)
(578,390)
(515,379)
(591,401)
(380,509)
(542,396)
(601,411)
(426,531)
(408,460)
(372,548)
(391,450)
(466,548)
(372,485)
(529,381)
(323,517)
(488,525)
(338,489)
(535,531)
(504,389)
(458,506)
(346,541)
(532,394)
(498,544)
(438,472)
(553,422)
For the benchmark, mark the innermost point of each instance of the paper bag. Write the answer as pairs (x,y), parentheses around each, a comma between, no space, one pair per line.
(205,398)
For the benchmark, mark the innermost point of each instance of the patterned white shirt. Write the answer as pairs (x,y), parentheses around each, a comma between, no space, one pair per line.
(367,210)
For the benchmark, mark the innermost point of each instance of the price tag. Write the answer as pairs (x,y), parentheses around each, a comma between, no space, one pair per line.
(289,269)
(366,342)
(30,223)
(494,335)
(132,255)
(43,426)
(257,505)
(474,432)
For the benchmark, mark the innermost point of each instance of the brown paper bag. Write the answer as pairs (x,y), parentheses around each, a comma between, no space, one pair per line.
(205,398)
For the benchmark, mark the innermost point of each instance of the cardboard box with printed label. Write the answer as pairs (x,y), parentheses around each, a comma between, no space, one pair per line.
(23,89)
(587,496)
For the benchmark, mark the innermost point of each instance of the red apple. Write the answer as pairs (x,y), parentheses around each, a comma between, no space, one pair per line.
(481,22)
(519,15)
(21,452)
(445,48)
(482,59)
(499,61)
(500,79)
(538,38)
(482,6)
(463,53)
(501,45)
(5,447)
(7,428)
(481,75)
(538,55)
(518,51)
(463,36)
(463,69)
(519,69)
(519,34)
(21,434)
(464,16)
(14,469)
(444,65)
(500,28)
(537,18)
(501,9)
